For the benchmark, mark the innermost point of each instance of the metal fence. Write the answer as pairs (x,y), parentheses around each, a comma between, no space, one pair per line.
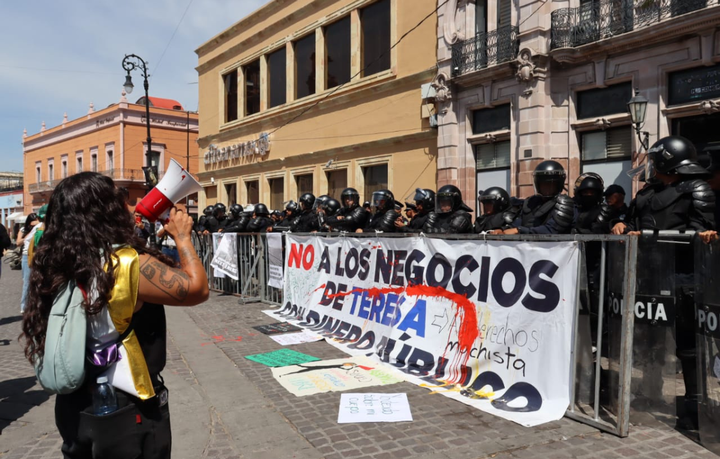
(484,50)
(598,20)
(629,294)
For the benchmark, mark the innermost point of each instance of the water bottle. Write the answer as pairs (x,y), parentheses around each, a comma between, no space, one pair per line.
(103,397)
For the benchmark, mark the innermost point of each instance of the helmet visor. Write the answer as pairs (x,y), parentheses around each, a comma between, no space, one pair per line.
(381,201)
(549,185)
(444,203)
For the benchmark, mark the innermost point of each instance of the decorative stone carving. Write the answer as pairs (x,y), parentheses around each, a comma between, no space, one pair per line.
(709,107)
(602,123)
(454,27)
(123,99)
(91,108)
(65,119)
(527,66)
(443,95)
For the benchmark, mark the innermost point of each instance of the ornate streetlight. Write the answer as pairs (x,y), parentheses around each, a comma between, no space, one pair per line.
(637,106)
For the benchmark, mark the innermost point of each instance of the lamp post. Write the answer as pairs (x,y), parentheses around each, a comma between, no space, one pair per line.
(132,62)
(637,106)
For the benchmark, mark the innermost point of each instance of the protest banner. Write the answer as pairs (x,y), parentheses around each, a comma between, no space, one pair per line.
(275,260)
(487,323)
(334,376)
(225,260)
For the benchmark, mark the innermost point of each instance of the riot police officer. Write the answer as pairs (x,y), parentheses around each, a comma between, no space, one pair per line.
(588,194)
(384,214)
(307,221)
(235,221)
(200,226)
(424,204)
(291,212)
(548,211)
(352,216)
(450,214)
(496,210)
(261,221)
(678,198)
(613,210)
(328,209)
(218,220)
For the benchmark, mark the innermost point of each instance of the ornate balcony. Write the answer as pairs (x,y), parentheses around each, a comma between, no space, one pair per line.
(485,50)
(572,27)
(119,175)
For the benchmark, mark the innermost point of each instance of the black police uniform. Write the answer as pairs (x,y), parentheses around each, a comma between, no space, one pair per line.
(352,218)
(416,224)
(239,225)
(259,224)
(541,215)
(383,221)
(457,221)
(503,214)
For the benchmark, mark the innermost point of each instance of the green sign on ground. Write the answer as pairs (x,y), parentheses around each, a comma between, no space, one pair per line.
(282,358)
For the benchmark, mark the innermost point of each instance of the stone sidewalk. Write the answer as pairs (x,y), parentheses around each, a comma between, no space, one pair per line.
(225,406)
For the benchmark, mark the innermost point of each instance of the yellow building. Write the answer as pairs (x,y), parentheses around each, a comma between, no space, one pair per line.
(112,141)
(307,96)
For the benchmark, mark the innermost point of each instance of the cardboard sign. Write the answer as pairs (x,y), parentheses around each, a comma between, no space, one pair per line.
(276,328)
(282,358)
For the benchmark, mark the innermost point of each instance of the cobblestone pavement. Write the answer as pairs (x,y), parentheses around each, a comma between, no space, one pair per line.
(225,406)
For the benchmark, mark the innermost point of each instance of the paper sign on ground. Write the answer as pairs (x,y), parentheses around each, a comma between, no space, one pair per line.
(296,338)
(334,376)
(374,408)
(278,327)
(282,358)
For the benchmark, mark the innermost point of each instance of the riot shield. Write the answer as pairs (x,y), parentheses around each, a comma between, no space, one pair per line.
(707,297)
(653,388)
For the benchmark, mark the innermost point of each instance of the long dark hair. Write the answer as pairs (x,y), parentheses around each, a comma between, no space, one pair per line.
(27,226)
(85,217)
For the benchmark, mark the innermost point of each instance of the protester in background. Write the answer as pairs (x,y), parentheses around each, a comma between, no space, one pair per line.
(89,241)
(451,215)
(25,235)
(424,204)
(496,211)
(549,211)
(384,214)
(5,243)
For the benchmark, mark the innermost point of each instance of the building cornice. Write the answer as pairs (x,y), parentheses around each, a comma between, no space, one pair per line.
(671,29)
(317,156)
(268,120)
(478,77)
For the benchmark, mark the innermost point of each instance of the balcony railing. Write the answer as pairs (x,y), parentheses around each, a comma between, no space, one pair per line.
(485,50)
(127,175)
(603,19)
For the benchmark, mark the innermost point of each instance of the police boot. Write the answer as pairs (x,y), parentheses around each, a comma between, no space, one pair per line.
(689,420)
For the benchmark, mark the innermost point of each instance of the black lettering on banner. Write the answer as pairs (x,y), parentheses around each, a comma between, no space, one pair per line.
(514,267)
(484,280)
(352,257)
(438,259)
(366,342)
(338,265)
(420,362)
(463,263)
(338,303)
(648,309)
(398,265)
(365,264)
(383,265)
(543,287)
(413,271)
(324,261)
(330,290)
(312,319)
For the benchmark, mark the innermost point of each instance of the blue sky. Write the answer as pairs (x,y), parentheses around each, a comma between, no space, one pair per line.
(58,56)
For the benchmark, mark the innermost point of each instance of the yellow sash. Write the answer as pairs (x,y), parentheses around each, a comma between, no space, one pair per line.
(121,307)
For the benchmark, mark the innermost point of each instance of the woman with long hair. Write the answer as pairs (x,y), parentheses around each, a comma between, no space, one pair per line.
(89,240)
(24,236)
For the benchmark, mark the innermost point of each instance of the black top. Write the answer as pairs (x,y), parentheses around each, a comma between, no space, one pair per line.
(151,331)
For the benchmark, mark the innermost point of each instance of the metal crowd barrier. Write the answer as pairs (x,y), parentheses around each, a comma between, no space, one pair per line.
(624,340)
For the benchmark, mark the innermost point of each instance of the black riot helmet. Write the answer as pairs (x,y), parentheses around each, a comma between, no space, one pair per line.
(331,207)
(261,210)
(320,200)
(307,201)
(450,197)
(382,201)
(236,210)
(291,208)
(350,194)
(549,179)
(589,189)
(425,198)
(499,198)
(208,211)
(673,155)
(219,209)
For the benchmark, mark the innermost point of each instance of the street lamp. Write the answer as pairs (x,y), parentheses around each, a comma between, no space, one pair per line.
(132,62)
(637,106)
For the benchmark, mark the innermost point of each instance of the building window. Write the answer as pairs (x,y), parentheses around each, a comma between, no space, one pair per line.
(252,88)
(337,182)
(277,67)
(64,169)
(375,29)
(693,85)
(595,103)
(376,178)
(93,162)
(231,96)
(78,165)
(337,52)
(304,184)
(481,25)
(701,130)
(609,153)
(51,171)
(492,165)
(491,119)
(38,173)
(253,191)
(231,192)
(110,160)
(305,66)
(277,196)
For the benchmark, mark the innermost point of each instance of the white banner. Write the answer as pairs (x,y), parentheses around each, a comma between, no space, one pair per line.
(225,260)
(486,323)
(275,260)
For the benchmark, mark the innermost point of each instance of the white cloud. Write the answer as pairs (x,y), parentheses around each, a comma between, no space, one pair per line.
(81,46)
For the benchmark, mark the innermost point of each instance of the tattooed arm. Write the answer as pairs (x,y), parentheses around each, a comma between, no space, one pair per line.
(163,284)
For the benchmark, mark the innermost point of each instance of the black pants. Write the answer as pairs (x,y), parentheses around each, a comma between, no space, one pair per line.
(136,430)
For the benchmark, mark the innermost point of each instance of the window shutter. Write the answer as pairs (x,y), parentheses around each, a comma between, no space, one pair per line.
(619,142)
(504,13)
(493,155)
(593,146)
(485,156)
(502,154)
